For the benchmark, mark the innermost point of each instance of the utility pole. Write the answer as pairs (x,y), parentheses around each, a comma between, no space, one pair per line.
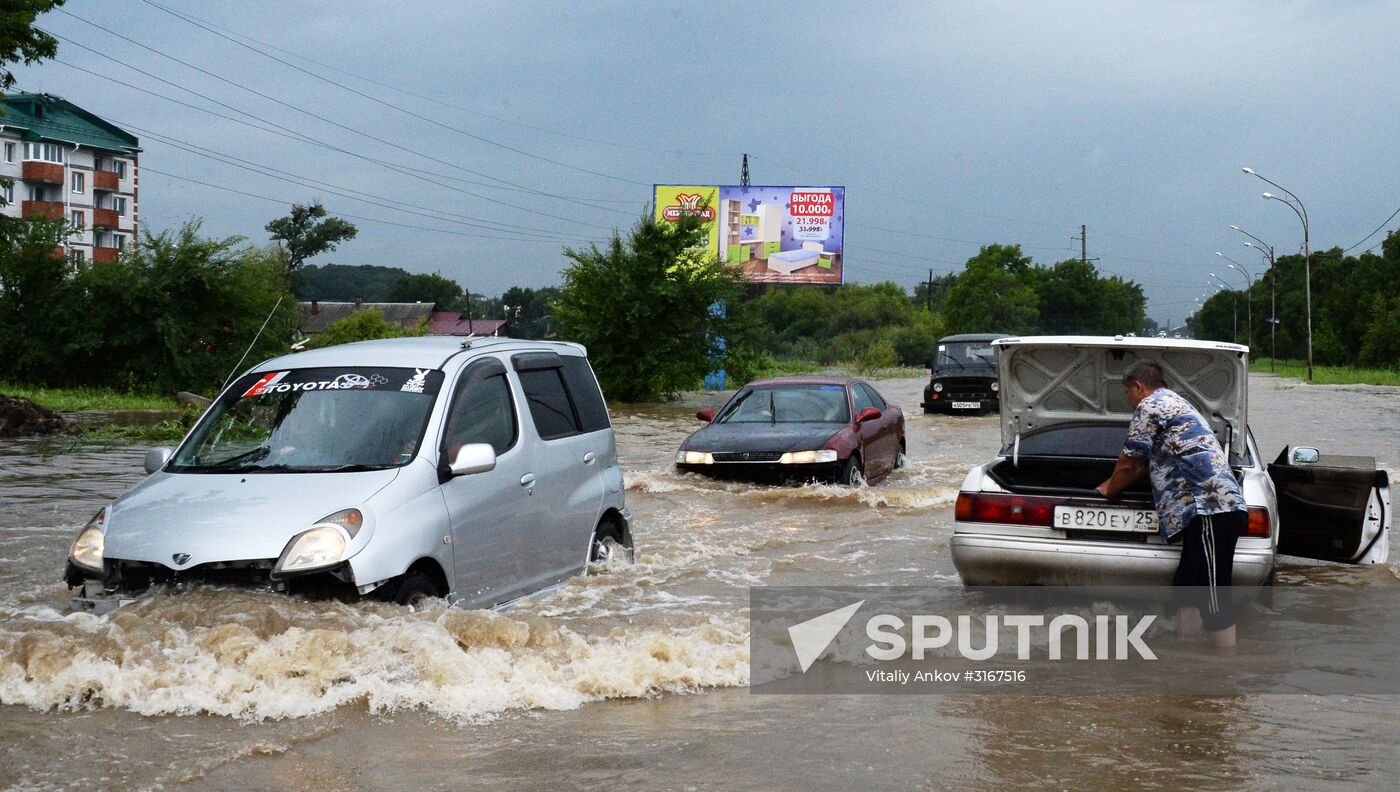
(1084,243)
(929,294)
(744,174)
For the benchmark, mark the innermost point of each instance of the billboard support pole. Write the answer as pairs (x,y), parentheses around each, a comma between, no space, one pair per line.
(744,173)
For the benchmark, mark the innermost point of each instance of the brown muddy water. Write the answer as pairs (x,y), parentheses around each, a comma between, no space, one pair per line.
(631,678)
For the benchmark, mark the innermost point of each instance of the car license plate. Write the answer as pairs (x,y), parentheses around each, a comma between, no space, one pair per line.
(1090,518)
(967,405)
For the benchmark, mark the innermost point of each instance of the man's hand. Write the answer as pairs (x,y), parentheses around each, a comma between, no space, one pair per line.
(1125,472)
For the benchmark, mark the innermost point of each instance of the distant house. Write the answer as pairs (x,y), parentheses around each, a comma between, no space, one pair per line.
(451,323)
(317,315)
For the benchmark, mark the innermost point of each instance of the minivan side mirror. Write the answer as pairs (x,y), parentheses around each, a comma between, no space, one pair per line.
(1304,455)
(868,414)
(473,458)
(156,458)
(707,415)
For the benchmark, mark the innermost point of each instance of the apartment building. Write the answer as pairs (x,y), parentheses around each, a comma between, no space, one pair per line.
(65,162)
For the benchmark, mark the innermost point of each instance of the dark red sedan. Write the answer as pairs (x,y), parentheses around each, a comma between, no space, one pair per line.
(838,430)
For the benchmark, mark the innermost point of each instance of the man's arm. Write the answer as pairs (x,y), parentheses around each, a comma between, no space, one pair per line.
(1125,472)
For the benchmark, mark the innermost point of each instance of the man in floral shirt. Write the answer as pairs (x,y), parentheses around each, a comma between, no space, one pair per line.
(1197,497)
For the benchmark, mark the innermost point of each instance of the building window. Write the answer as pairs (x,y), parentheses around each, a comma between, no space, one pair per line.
(9,152)
(9,193)
(119,241)
(120,167)
(79,182)
(36,193)
(78,255)
(119,205)
(79,219)
(44,152)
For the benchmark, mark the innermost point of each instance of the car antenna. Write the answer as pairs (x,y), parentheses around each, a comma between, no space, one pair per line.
(467,342)
(258,335)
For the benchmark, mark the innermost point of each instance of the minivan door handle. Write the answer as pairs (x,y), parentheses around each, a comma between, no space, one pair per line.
(527,480)
(589,458)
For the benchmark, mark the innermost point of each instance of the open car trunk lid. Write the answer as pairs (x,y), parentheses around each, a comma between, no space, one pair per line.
(1050,380)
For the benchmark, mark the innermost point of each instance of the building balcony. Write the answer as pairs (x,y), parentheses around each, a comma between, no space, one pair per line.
(47,172)
(49,210)
(105,180)
(104,255)
(105,218)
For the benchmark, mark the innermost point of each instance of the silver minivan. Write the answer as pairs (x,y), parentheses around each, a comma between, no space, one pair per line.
(481,471)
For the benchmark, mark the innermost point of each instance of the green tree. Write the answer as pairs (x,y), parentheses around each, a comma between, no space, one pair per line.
(36,297)
(20,41)
(529,312)
(444,293)
(366,325)
(643,308)
(308,232)
(345,282)
(178,312)
(994,294)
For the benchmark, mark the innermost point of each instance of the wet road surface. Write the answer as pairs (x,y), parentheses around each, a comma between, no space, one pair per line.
(632,677)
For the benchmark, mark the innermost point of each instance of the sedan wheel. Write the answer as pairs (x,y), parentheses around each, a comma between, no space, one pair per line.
(850,473)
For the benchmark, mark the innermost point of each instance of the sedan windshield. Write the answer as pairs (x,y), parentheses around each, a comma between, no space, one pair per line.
(314,421)
(814,404)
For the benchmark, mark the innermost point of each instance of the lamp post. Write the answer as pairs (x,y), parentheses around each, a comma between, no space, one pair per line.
(1267,251)
(1302,212)
(1248,307)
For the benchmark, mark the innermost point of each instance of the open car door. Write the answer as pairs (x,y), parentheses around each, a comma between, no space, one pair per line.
(1332,508)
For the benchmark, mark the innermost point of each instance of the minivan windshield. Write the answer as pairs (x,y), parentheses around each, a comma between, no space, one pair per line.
(812,404)
(957,355)
(314,420)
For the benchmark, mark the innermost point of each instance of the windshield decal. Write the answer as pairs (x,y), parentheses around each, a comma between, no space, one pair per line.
(274,383)
(416,382)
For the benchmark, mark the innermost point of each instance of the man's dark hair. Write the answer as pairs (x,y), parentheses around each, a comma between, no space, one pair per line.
(1145,372)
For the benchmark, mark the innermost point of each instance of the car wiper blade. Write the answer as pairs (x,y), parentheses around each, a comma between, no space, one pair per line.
(954,360)
(346,468)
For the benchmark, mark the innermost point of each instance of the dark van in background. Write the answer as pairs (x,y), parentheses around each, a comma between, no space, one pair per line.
(964,375)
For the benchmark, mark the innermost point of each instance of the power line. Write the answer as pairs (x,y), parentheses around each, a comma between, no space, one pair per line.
(377,100)
(323,119)
(1373,233)
(340,190)
(362,218)
(435,100)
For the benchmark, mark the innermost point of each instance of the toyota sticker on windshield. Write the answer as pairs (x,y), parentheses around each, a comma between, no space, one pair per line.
(424,381)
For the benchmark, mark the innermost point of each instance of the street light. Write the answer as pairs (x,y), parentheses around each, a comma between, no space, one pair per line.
(1248,307)
(1302,213)
(1267,251)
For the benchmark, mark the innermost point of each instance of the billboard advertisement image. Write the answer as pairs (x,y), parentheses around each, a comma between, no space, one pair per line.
(776,234)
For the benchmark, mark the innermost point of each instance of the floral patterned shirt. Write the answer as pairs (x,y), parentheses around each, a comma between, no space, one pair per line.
(1189,472)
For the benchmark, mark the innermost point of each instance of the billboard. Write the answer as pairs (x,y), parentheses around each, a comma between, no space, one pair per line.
(776,234)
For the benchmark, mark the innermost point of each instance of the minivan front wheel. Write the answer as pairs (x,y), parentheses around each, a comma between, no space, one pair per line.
(413,590)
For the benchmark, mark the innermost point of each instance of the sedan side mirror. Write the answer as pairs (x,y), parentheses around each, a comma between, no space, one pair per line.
(1306,456)
(156,458)
(868,414)
(473,458)
(707,415)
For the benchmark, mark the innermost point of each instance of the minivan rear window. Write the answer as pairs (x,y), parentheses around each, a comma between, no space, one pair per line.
(550,407)
(583,386)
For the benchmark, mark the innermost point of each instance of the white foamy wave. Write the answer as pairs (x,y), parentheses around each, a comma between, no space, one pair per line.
(902,492)
(191,655)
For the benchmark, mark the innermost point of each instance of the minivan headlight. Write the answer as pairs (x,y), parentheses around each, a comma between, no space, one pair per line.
(87,548)
(322,545)
(808,457)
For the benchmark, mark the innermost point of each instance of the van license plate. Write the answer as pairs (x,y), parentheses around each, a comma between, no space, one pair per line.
(967,405)
(1089,518)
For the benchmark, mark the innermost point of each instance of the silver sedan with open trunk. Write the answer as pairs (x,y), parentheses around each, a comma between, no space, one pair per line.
(1031,514)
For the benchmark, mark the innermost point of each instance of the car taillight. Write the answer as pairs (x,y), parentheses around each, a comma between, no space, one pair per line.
(1258,523)
(999,508)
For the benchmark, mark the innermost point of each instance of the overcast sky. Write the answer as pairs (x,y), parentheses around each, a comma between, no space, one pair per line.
(951,125)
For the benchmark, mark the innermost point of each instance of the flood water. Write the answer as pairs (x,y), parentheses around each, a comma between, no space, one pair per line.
(633,677)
